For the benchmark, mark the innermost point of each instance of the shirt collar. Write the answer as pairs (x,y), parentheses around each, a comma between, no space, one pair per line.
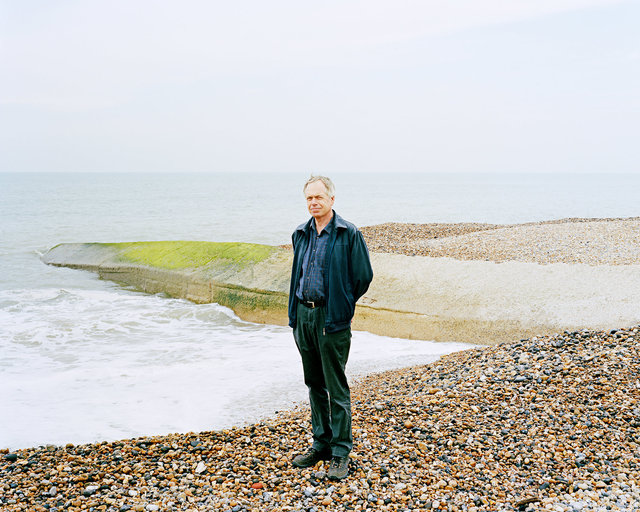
(327,229)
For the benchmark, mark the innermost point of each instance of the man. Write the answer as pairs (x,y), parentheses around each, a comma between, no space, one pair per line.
(331,271)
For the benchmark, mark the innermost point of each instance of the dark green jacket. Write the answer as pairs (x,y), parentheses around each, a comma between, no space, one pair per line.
(349,272)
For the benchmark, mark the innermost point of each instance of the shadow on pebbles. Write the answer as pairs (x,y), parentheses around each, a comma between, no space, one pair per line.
(547,423)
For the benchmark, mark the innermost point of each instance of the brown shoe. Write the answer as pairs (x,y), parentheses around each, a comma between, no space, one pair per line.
(311,458)
(339,468)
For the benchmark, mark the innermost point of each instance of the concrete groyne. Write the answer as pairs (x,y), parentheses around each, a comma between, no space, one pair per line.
(442,299)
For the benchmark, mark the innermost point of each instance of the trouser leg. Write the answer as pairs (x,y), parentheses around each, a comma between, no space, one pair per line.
(306,336)
(334,348)
(324,357)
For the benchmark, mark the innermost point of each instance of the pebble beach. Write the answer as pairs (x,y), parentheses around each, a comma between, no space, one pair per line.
(543,423)
(585,241)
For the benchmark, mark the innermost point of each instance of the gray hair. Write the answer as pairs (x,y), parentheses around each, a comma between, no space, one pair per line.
(328,184)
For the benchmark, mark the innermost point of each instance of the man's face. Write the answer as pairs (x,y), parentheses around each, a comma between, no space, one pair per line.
(319,203)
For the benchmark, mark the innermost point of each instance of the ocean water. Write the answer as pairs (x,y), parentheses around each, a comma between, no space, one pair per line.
(83,359)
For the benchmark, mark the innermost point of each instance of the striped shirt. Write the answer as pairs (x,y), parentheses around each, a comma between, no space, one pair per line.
(311,287)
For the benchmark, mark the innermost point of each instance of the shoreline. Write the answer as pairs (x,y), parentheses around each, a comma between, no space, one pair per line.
(476,283)
(547,421)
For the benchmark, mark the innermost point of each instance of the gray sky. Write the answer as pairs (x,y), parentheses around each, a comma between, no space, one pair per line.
(331,86)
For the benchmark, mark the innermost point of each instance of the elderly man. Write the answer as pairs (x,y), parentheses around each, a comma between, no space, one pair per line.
(331,271)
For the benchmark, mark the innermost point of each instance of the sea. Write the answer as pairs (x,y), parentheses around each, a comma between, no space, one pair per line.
(85,360)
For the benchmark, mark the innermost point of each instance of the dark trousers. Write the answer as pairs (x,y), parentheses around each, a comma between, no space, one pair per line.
(324,357)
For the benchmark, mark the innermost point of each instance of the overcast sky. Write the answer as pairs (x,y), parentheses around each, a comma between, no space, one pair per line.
(324,86)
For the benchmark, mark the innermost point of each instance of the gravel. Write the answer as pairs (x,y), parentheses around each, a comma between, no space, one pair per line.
(546,423)
(587,241)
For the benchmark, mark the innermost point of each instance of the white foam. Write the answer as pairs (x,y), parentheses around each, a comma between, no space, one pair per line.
(87,365)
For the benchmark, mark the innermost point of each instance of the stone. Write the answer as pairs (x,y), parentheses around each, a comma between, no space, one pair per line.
(90,490)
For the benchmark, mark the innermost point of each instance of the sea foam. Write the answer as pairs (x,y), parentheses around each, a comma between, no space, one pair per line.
(88,365)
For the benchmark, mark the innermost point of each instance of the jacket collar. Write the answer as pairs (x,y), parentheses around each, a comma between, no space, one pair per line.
(339,223)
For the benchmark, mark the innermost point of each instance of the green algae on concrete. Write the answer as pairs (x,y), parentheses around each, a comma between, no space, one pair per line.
(179,255)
